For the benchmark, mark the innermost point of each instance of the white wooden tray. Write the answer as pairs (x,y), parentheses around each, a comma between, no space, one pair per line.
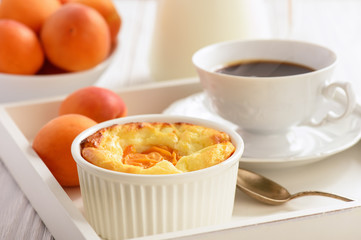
(61,209)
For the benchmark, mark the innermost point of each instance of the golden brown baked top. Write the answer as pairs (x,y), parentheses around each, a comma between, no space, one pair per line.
(156,148)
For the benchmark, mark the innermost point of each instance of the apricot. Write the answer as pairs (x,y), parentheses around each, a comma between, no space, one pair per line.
(99,104)
(76,37)
(32,13)
(53,145)
(20,49)
(107,9)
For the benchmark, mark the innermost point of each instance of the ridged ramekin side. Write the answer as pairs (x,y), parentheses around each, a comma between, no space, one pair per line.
(120,209)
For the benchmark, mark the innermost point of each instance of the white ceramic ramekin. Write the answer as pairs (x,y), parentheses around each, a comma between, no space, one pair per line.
(122,205)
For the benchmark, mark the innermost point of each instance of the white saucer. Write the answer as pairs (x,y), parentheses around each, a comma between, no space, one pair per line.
(314,143)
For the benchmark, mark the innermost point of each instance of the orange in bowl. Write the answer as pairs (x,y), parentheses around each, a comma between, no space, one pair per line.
(20,49)
(32,13)
(107,9)
(76,37)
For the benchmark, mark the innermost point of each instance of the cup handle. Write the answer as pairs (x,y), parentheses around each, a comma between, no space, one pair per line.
(349,104)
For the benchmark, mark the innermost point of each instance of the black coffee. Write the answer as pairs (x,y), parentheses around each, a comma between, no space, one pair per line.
(264,68)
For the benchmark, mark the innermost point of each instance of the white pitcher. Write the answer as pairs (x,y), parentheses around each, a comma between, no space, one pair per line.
(184,26)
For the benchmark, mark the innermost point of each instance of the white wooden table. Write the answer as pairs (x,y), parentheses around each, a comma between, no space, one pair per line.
(334,23)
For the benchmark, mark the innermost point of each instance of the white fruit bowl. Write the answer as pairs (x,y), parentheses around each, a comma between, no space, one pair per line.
(16,87)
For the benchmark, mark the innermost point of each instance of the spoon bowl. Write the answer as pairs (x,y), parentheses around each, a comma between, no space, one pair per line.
(270,192)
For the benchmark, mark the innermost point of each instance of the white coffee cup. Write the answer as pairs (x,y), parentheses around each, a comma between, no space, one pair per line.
(272,105)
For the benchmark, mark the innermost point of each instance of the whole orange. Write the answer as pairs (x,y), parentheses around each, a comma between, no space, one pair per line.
(20,49)
(32,13)
(107,9)
(97,103)
(53,145)
(76,37)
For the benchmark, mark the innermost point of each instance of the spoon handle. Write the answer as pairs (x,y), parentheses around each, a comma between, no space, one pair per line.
(317,193)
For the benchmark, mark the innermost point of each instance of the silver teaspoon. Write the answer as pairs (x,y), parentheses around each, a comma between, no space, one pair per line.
(269,192)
